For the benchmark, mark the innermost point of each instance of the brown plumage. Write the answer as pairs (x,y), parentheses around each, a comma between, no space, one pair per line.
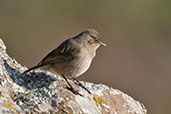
(74,56)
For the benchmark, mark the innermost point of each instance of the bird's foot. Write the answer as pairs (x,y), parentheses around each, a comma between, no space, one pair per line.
(69,87)
(73,90)
(81,85)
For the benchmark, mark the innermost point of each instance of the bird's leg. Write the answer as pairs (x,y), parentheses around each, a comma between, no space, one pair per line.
(70,87)
(81,85)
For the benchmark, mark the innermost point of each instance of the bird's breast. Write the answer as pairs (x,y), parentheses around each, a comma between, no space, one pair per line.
(84,64)
(75,67)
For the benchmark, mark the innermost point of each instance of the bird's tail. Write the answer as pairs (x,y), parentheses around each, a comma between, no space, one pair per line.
(32,68)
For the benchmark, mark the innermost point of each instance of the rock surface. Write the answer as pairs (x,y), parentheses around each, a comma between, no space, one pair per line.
(44,92)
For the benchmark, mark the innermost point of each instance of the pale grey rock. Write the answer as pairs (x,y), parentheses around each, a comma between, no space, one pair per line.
(44,92)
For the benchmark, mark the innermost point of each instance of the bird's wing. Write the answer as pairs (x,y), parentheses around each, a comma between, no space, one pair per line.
(66,51)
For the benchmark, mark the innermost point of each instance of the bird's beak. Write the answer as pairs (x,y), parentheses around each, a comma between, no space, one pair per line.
(103,44)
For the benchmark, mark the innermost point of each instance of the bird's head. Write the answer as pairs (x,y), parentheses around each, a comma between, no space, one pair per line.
(91,38)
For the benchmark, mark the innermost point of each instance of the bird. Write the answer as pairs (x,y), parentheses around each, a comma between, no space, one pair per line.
(72,57)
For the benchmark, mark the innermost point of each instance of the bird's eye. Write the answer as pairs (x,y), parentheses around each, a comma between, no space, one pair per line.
(93,36)
(96,40)
(89,41)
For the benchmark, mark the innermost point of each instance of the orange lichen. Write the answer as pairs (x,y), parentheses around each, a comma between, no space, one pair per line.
(2,95)
(10,106)
(99,100)
(63,107)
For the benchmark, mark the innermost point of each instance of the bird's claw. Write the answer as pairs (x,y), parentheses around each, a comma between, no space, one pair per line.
(73,90)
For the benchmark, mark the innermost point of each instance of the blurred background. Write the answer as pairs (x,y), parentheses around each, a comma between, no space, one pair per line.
(137,60)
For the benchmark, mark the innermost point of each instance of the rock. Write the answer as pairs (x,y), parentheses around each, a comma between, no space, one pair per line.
(44,92)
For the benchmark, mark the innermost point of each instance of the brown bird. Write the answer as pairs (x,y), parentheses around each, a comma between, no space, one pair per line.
(73,57)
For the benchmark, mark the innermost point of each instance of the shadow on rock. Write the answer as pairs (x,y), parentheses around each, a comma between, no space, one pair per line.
(31,80)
